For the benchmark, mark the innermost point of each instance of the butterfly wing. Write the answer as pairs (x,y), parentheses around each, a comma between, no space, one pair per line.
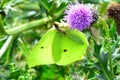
(42,52)
(72,47)
(59,48)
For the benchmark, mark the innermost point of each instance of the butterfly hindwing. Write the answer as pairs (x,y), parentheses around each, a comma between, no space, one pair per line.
(74,45)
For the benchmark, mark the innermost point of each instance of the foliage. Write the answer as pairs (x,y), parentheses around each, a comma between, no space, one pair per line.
(24,22)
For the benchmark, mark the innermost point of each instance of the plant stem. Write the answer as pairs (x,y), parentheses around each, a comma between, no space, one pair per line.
(1,25)
(26,26)
(109,49)
(105,72)
(110,61)
(8,53)
(6,45)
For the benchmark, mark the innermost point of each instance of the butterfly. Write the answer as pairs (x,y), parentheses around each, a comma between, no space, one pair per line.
(57,47)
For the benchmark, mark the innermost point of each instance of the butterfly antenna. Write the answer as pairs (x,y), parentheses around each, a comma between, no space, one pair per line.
(56,26)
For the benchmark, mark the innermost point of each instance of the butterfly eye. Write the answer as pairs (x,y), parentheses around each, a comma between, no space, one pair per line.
(42,47)
(65,50)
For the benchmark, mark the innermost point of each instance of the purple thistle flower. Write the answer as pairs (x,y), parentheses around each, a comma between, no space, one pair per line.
(78,16)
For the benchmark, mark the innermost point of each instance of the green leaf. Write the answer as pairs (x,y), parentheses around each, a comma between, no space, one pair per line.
(90,1)
(46,4)
(56,47)
(24,6)
(112,29)
(60,10)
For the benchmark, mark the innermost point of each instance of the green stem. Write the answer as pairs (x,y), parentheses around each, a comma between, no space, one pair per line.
(105,72)
(16,30)
(6,45)
(109,49)
(110,61)
(1,25)
(8,53)
(26,26)
(105,26)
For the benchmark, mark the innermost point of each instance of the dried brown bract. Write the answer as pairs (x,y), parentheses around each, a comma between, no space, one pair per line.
(113,11)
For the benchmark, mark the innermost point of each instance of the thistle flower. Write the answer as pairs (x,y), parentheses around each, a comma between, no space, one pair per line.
(78,16)
(114,12)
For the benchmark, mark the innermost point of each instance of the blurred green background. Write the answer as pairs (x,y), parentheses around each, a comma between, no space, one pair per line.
(24,22)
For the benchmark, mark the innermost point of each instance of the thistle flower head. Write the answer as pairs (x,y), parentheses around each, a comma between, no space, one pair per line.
(78,16)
